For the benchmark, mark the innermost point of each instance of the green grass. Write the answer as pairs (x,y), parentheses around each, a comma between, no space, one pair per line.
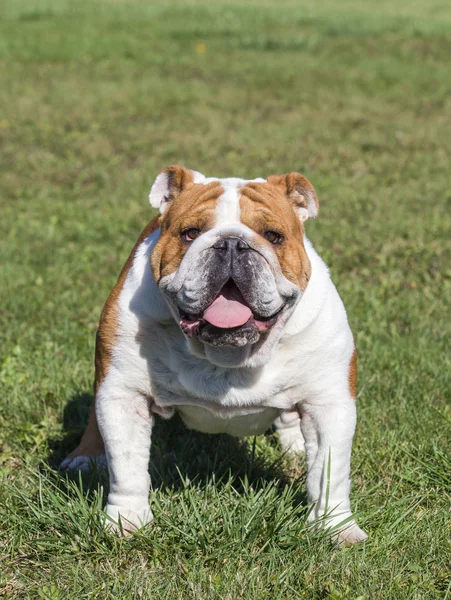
(95,99)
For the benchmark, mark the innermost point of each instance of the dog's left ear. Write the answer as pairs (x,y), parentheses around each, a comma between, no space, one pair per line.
(170,183)
(300,193)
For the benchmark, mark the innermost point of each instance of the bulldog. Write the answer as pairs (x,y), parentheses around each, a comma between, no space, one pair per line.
(225,314)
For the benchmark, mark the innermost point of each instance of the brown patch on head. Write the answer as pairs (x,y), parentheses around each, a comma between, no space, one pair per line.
(273,206)
(192,207)
(352,375)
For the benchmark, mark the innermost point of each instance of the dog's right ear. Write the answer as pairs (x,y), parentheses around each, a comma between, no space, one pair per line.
(300,193)
(170,183)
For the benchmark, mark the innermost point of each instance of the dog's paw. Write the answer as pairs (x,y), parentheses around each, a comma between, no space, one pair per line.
(123,521)
(349,534)
(344,534)
(83,463)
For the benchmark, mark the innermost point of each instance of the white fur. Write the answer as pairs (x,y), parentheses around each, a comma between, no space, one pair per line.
(303,385)
(312,209)
(288,426)
(228,208)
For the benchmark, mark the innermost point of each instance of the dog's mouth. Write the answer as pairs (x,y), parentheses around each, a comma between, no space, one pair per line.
(228,314)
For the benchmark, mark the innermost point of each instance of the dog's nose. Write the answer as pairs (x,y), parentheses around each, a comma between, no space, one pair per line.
(221,244)
(231,244)
(242,245)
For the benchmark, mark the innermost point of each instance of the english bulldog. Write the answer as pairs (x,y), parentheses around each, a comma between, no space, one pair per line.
(225,314)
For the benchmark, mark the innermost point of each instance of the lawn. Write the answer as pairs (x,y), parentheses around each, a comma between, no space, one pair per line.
(95,99)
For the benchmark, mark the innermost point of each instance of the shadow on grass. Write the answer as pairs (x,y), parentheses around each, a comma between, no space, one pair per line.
(179,455)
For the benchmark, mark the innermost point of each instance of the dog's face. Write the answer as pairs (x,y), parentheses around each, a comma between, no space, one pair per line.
(230,259)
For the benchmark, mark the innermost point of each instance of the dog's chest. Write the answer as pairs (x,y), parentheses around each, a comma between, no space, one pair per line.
(211,399)
(215,400)
(182,380)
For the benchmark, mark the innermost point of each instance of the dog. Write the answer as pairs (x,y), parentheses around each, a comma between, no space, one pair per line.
(225,314)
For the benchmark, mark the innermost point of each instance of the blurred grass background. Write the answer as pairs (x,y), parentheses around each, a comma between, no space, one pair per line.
(96,98)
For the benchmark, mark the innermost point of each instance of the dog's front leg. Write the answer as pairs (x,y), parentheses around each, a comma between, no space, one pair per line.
(125,422)
(328,430)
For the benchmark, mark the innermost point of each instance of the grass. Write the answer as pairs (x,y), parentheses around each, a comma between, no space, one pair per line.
(95,99)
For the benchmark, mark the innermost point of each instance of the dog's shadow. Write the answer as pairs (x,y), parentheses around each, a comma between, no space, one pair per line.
(179,455)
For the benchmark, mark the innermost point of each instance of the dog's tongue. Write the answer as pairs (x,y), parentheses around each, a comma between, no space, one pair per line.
(229,309)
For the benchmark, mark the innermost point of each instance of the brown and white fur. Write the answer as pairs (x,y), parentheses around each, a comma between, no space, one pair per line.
(293,363)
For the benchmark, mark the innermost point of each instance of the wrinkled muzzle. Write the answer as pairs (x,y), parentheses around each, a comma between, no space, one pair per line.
(228,291)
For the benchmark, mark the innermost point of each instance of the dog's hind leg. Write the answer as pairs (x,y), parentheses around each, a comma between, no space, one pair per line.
(288,426)
(90,448)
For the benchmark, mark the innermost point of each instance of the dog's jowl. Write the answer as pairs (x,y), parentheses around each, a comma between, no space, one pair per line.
(225,313)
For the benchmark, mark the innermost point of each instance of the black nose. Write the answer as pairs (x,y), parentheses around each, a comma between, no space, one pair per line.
(231,244)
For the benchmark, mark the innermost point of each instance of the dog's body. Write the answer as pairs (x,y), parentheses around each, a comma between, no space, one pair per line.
(225,313)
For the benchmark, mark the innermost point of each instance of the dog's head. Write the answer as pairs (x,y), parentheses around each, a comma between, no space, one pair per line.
(230,259)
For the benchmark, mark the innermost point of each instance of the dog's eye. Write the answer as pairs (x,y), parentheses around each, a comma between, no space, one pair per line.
(190,234)
(273,237)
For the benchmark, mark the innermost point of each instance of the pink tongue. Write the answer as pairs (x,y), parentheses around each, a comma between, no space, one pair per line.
(229,309)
